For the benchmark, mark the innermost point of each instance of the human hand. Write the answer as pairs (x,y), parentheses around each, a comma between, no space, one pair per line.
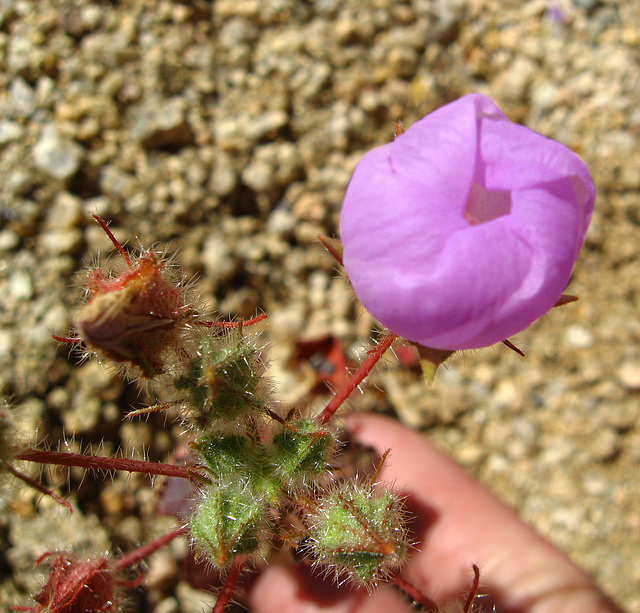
(458,523)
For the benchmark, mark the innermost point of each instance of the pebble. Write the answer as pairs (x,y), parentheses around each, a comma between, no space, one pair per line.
(167,605)
(629,374)
(218,260)
(162,570)
(65,212)
(191,599)
(224,177)
(9,239)
(21,285)
(10,131)
(265,124)
(258,175)
(578,337)
(161,123)
(605,444)
(6,344)
(22,98)
(60,242)
(56,156)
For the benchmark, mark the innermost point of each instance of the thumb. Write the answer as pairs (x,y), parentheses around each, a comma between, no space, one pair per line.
(464,524)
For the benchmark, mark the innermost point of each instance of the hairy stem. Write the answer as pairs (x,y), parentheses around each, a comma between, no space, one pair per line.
(40,487)
(100,463)
(135,556)
(415,594)
(229,585)
(357,378)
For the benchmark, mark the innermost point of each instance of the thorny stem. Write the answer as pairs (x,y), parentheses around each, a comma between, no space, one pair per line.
(67,339)
(38,486)
(415,594)
(229,324)
(135,556)
(357,378)
(378,470)
(229,586)
(114,240)
(473,591)
(100,463)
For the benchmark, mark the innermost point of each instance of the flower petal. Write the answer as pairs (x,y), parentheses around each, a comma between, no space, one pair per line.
(465,229)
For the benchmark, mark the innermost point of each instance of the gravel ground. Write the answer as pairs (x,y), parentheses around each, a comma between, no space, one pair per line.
(228,130)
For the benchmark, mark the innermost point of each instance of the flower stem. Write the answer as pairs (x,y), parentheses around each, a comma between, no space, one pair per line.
(135,556)
(41,488)
(358,377)
(100,463)
(415,594)
(229,585)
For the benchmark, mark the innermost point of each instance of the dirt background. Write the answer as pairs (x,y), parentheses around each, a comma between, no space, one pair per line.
(228,130)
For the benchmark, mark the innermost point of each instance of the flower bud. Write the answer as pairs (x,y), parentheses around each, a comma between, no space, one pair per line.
(357,531)
(230,522)
(222,381)
(303,451)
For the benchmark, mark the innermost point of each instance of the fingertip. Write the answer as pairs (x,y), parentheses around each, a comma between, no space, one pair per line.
(286,588)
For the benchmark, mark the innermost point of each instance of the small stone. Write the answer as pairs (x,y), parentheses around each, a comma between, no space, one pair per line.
(192,599)
(577,337)
(513,82)
(605,445)
(545,96)
(9,240)
(10,131)
(629,375)
(258,176)
(280,221)
(20,182)
(22,97)
(163,570)
(266,123)
(65,212)
(117,182)
(21,285)
(470,454)
(224,178)
(6,343)
(56,156)
(219,264)
(161,123)
(60,242)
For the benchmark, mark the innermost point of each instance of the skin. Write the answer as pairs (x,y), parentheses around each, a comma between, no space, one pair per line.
(458,523)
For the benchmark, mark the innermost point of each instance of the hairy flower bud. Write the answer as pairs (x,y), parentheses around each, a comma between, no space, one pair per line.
(357,531)
(230,522)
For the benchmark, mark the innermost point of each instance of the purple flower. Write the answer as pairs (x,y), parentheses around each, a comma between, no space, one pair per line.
(465,229)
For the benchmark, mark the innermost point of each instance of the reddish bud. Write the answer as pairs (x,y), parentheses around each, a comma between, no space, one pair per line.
(77,584)
(136,316)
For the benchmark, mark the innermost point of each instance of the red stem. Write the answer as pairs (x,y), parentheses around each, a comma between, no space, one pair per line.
(40,487)
(357,378)
(473,591)
(229,585)
(135,556)
(100,463)
(114,240)
(415,594)
(229,324)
